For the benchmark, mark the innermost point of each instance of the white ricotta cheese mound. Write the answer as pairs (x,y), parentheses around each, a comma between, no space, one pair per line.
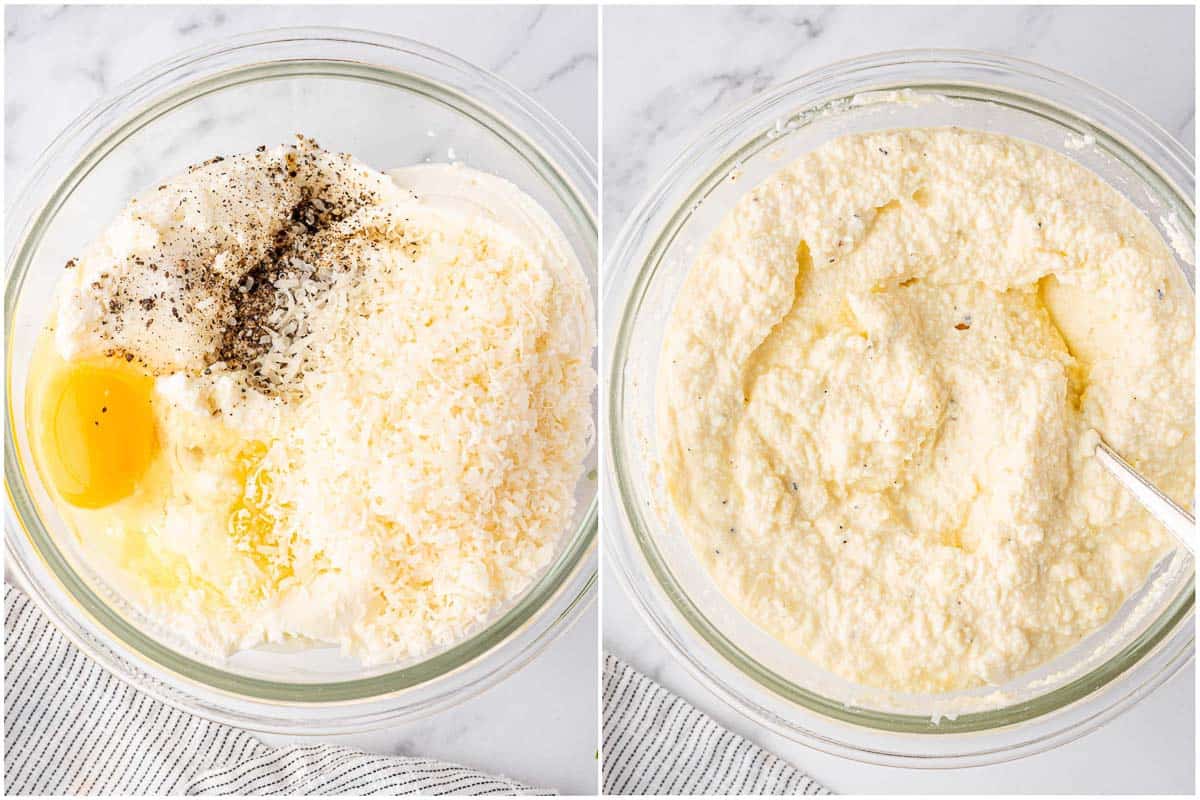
(875,391)
(396,461)
(156,282)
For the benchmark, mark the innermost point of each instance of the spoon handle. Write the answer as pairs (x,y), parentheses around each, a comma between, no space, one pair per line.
(1164,509)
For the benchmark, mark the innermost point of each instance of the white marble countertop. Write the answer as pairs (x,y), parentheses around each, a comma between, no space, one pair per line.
(539,726)
(671,72)
(61,59)
(668,73)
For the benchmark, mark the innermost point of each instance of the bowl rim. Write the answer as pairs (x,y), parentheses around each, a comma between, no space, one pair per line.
(526,625)
(749,687)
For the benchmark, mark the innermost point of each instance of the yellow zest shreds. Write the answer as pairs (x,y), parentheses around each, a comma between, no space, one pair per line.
(252,519)
(466,426)
(414,468)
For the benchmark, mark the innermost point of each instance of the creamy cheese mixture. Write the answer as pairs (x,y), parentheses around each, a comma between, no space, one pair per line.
(878,398)
(287,396)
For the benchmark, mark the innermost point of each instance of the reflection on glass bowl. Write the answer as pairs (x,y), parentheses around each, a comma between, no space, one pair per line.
(1147,641)
(389,101)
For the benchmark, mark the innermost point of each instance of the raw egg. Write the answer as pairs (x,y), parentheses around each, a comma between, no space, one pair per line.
(99,430)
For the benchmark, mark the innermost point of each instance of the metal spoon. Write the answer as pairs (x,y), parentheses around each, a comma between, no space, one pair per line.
(1164,509)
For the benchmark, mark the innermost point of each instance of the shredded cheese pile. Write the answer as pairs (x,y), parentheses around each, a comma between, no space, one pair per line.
(396,459)
(446,427)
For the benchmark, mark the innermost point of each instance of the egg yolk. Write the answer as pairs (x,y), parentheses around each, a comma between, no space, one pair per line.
(101,431)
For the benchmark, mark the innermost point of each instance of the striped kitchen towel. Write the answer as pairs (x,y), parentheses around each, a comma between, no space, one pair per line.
(72,728)
(657,743)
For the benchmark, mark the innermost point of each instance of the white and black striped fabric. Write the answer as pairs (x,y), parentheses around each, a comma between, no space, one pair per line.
(656,743)
(72,728)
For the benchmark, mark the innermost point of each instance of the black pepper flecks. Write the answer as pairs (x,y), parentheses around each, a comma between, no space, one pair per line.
(228,278)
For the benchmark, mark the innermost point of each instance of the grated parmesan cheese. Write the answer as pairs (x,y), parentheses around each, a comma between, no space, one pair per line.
(399,461)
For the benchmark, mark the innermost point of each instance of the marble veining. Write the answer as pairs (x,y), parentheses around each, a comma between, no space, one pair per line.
(669,73)
(61,59)
(540,725)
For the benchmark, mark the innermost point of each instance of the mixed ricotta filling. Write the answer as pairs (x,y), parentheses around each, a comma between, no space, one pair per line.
(879,394)
(289,397)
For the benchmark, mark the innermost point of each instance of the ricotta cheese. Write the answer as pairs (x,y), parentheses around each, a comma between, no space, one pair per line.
(874,396)
(371,398)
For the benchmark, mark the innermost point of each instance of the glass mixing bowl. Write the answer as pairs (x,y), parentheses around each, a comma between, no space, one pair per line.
(1152,635)
(390,102)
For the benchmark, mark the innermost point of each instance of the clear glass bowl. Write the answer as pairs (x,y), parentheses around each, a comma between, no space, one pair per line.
(390,102)
(1152,635)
